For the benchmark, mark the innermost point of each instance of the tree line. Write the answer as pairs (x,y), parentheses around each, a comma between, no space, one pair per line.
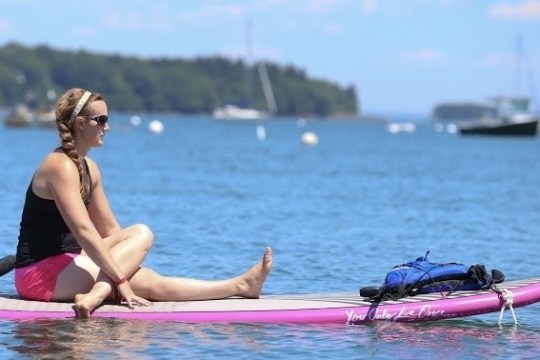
(36,75)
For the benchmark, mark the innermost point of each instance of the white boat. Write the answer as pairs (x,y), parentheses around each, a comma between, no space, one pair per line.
(45,117)
(233,112)
(237,113)
(19,116)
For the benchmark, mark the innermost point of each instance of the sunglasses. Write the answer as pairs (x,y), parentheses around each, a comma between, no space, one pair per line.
(100,119)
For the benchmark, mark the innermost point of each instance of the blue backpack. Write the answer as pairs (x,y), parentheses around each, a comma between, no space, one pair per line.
(422,276)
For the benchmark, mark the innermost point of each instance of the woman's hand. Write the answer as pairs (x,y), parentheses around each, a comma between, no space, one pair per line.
(125,292)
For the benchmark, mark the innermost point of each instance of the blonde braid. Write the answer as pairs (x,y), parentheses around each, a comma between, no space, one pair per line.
(64,111)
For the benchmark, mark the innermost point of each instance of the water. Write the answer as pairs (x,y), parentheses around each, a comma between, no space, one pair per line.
(338,216)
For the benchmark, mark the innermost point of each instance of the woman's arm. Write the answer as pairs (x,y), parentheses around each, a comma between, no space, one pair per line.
(61,178)
(99,209)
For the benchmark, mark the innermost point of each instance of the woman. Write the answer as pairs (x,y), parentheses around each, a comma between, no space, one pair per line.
(71,247)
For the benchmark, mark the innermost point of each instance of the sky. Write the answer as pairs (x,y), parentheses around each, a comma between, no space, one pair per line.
(403,56)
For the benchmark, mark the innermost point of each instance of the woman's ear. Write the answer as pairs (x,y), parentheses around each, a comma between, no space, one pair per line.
(80,122)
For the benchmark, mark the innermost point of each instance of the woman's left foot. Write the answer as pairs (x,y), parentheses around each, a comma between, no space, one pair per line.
(86,303)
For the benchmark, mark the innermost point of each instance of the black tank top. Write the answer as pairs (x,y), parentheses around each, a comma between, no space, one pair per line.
(43,231)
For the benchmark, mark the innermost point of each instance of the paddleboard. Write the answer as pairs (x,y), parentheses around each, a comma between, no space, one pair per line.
(347,308)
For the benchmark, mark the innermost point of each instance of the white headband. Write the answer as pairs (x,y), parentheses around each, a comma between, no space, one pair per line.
(79,106)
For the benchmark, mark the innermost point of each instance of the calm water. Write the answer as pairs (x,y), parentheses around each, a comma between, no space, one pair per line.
(338,216)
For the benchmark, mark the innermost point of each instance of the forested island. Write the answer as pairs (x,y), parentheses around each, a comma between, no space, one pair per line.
(35,75)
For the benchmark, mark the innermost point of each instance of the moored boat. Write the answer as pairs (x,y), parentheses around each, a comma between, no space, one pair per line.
(238,113)
(19,116)
(45,117)
(523,128)
(511,118)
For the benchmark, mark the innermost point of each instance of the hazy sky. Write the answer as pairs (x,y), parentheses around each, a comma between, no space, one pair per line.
(402,55)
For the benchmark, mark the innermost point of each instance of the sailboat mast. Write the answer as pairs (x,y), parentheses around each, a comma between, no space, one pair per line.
(267,88)
(523,69)
(248,58)
(518,65)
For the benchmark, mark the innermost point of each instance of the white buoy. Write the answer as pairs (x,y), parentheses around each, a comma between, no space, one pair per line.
(156,127)
(451,128)
(309,138)
(135,120)
(401,127)
(261,133)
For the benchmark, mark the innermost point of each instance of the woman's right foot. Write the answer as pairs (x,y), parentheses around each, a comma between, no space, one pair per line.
(251,282)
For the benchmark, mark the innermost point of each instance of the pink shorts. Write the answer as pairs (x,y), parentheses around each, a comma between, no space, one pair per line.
(37,281)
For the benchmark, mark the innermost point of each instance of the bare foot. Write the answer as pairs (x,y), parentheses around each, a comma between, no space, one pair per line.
(251,282)
(86,303)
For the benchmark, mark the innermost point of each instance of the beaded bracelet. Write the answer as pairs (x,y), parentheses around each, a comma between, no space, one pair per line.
(117,283)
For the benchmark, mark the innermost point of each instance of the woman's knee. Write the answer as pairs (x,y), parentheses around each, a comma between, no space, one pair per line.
(144,233)
(145,282)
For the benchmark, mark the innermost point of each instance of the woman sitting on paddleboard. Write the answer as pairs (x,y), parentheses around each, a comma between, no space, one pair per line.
(71,247)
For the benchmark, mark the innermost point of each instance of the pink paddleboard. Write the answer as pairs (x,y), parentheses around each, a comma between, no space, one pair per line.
(280,309)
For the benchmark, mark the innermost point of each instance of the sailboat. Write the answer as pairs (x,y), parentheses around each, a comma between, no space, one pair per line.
(511,116)
(234,112)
